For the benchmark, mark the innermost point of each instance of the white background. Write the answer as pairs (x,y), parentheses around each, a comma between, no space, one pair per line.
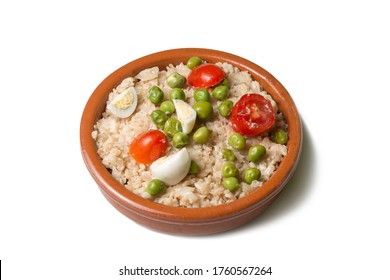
(331,222)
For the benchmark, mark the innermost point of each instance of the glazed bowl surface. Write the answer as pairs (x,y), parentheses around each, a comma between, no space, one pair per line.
(178,220)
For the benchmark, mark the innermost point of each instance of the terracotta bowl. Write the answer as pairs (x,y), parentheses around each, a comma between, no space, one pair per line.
(189,221)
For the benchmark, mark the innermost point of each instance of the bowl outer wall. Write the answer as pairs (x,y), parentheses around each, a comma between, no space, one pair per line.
(140,209)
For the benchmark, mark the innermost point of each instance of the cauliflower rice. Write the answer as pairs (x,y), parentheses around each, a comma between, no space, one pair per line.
(113,136)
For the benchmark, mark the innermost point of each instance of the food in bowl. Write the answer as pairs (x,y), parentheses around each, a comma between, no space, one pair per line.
(196,134)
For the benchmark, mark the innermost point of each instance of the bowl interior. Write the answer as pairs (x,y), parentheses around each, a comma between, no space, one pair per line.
(117,192)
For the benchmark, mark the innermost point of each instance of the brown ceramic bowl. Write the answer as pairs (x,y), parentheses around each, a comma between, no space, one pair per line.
(189,221)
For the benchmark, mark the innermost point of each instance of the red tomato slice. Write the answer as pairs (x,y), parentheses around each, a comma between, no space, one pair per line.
(205,76)
(252,115)
(148,146)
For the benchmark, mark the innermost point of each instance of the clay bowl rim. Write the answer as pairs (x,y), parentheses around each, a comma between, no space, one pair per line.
(136,204)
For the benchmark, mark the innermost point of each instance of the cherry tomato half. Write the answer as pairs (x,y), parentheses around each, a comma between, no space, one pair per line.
(252,115)
(148,146)
(205,76)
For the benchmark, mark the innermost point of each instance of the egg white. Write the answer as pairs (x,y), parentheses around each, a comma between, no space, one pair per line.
(172,169)
(185,114)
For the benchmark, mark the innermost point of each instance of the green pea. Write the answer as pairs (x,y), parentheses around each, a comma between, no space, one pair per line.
(202,94)
(167,107)
(201,135)
(159,118)
(225,82)
(175,80)
(180,140)
(221,92)
(231,183)
(172,126)
(203,109)
(256,153)
(225,108)
(229,170)
(251,174)
(193,62)
(280,137)
(155,95)
(228,154)
(237,141)
(194,168)
(177,93)
(155,187)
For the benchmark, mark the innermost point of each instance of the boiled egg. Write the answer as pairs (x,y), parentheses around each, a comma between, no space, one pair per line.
(172,169)
(124,104)
(185,114)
